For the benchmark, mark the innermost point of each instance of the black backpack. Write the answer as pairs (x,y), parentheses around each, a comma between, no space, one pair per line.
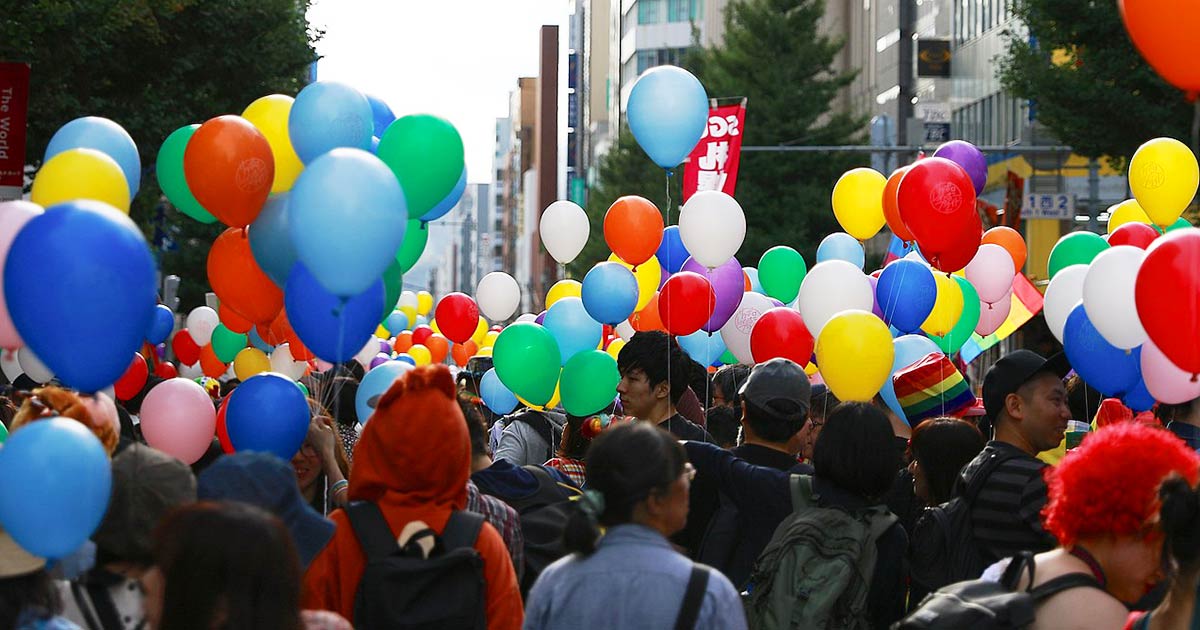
(543,517)
(400,588)
(987,605)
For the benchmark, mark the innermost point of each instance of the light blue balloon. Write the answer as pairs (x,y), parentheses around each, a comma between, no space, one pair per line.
(572,327)
(257,341)
(667,112)
(451,200)
(327,115)
(374,385)
(346,219)
(105,136)
(396,322)
(841,246)
(609,293)
(908,350)
(421,321)
(755,285)
(271,240)
(704,348)
(495,395)
(382,115)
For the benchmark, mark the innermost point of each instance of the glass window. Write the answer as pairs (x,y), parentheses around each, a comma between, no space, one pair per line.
(646,59)
(697,10)
(677,11)
(649,11)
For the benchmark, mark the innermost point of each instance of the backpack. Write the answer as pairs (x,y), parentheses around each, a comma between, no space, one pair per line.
(543,517)
(401,588)
(816,571)
(987,605)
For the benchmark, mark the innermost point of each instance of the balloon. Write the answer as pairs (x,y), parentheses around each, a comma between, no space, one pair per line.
(271,240)
(527,360)
(332,327)
(105,136)
(991,318)
(728,284)
(457,316)
(668,114)
(712,227)
(891,207)
(481,332)
(328,115)
(426,154)
(393,283)
(498,296)
(13,217)
(573,329)
(614,347)
(1127,211)
(495,395)
(424,302)
(609,293)
(947,308)
(1163,176)
(1166,39)
(178,418)
(57,482)
(991,271)
(1182,222)
(237,279)
(133,380)
(953,341)
(649,277)
(461,353)
(841,246)
(201,323)
(396,323)
(1167,294)
(855,353)
(1076,248)
(267,412)
(1108,290)
(781,332)
(906,292)
(449,202)
(1164,380)
(686,302)
(633,229)
(1139,398)
(858,202)
(33,367)
(648,318)
(563,289)
(564,229)
(589,382)
(379,359)
(374,385)
(753,281)
(269,115)
(185,348)
(78,174)
(165,369)
(703,347)
(210,364)
(970,158)
(161,326)
(416,234)
(671,253)
(937,203)
(780,271)
(169,170)
(282,362)
(736,332)
(906,350)
(1062,295)
(1138,235)
(1010,240)
(381,115)
(81,270)
(831,287)
(229,169)
(250,361)
(421,333)
(1107,368)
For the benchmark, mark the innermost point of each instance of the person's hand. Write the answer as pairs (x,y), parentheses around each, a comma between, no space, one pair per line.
(321,436)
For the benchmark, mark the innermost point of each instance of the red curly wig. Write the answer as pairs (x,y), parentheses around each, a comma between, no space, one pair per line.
(1109,485)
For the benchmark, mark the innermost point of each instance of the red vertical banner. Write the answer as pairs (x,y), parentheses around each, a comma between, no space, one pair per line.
(713,164)
(14,106)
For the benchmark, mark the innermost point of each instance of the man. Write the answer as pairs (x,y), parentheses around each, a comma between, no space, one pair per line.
(726,383)
(498,513)
(528,437)
(646,392)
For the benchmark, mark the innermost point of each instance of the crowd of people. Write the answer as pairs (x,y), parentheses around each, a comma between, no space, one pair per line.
(748,497)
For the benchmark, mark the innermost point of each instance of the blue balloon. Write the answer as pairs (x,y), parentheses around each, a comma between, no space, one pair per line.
(335,329)
(609,293)
(421,321)
(1109,369)
(841,246)
(327,115)
(161,326)
(671,253)
(1139,398)
(702,347)
(258,342)
(381,115)
(374,145)
(451,200)
(905,292)
(105,136)
(346,220)
(667,112)
(375,384)
(495,395)
(271,240)
(406,358)
(396,322)
(572,327)
(57,479)
(81,270)
(267,412)
(908,349)
(755,285)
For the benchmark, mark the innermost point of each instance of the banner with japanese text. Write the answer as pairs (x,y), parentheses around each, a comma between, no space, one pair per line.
(713,164)
(14,104)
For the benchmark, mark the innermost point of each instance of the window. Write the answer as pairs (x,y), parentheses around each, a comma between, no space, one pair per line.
(646,59)
(677,11)
(649,11)
(697,10)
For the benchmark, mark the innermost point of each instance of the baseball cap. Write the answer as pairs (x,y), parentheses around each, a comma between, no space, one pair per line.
(779,386)
(1014,370)
(147,484)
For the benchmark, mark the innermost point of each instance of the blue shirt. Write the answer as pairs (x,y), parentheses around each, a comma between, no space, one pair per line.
(633,580)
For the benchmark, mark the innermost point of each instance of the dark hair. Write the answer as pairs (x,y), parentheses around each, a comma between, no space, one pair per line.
(942,446)
(729,379)
(33,591)
(475,426)
(722,423)
(7,411)
(341,401)
(1180,517)
(1082,399)
(699,381)
(228,386)
(770,424)
(1171,413)
(227,559)
(821,402)
(856,450)
(648,351)
(625,464)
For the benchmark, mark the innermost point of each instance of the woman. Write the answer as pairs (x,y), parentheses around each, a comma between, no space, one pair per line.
(322,468)
(938,450)
(1180,517)
(631,577)
(578,433)
(29,600)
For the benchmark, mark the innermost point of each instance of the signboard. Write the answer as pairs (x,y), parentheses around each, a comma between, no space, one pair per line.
(14,105)
(713,163)
(935,119)
(933,58)
(1048,206)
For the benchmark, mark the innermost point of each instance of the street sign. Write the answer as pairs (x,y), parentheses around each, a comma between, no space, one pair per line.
(1048,206)
(935,118)
(933,58)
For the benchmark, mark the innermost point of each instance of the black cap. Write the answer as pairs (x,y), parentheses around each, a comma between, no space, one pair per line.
(1014,370)
(778,386)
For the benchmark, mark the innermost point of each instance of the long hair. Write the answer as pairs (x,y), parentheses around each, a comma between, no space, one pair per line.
(942,446)
(32,591)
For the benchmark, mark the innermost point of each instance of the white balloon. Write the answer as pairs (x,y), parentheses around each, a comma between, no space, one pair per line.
(1063,293)
(191,371)
(201,323)
(712,227)
(991,316)
(829,288)
(564,229)
(498,295)
(991,272)
(283,362)
(1108,296)
(625,330)
(736,332)
(33,367)
(10,365)
(526,317)
(407,298)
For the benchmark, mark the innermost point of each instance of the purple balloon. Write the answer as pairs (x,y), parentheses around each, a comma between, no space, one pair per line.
(540,318)
(875,287)
(385,347)
(380,359)
(777,303)
(967,156)
(728,284)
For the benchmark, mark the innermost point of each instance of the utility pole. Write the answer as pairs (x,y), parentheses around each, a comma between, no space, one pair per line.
(904,111)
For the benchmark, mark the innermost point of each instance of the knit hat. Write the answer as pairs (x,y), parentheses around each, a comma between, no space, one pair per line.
(930,388)
(98,413)
(146,485)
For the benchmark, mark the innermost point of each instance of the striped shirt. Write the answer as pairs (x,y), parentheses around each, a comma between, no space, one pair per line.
(1006,516)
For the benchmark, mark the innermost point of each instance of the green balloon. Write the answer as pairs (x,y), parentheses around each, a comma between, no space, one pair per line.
(416,234)
(393,284)
(780,272)
(589,382)
(226,343)
(954,340)
(526,358)
(1076,248)
(728,359)
(302,386)
(3,433)
(426,154)
(171,180)
(1179,223)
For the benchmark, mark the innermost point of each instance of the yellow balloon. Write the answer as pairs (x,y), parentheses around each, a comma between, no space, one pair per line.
(420,354)
(411,313)
(81,174)
(484,352)
(1163,176)
(382,332)
(810,369)
(269,115)
(947,307)
(858,202)
(1127,211)
(549,405)
(648,275)
(424,302)
(855,353)
(250,361)
(562,289)
(481,331)
(434,327)
(489,339)
(614,348)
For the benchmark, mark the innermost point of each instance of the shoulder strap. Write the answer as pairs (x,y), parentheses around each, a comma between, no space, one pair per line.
(879,520)
(372,530)
(693,598)
(1063,583)
(972,490)
(462,530)
(802,492)
(1017,566)
(106,609)
(84,604)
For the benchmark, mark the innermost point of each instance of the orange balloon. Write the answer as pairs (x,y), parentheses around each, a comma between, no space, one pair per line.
(647,318)
(633,229)
(746,277)
(229,169)
(1010,240)
(238,281)
(280,331)
(891,209)
(403,342)
(210,364)
(439,347)
(462,352)
(233,320)
(1165,34)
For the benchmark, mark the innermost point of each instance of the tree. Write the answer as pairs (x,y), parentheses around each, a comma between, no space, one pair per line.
(154,66)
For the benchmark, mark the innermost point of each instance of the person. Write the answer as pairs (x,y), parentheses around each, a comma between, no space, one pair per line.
(727,382)
(571,458)
(413,471)
(497,512)
(638,479)
(529,436)
(29,599)
(97,412)
(146,485)
(1180,518)
(821,402)
(321,465)
(646,392)
(723,426)
(337,395)
(1183,420)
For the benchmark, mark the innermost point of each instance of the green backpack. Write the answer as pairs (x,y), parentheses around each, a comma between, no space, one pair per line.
(816,571)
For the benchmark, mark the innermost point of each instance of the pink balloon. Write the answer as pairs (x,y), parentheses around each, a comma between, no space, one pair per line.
(1165,381)
(991,316)
(102,409)
(13,216)
(178,418)
(991,272)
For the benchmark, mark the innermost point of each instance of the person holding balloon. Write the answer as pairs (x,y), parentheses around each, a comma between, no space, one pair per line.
(321,465)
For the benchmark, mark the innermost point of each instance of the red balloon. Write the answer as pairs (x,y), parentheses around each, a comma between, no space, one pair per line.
(937,204)
(233,320)
(438,346)
(1165,34)
(1167,295)
(185,348)
(229,169)
(210,364)
(166,369)
(686,302)
(420,334)
(633,229)
(237,279)
(133,380)
(457,317)
(1139,235)
(891,206)
(781,332)
(222,430)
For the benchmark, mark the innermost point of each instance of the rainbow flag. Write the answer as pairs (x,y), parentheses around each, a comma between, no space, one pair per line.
(931,387)
(897,249)
(1026,302)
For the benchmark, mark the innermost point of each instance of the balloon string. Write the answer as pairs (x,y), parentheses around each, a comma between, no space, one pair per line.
(667,210)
